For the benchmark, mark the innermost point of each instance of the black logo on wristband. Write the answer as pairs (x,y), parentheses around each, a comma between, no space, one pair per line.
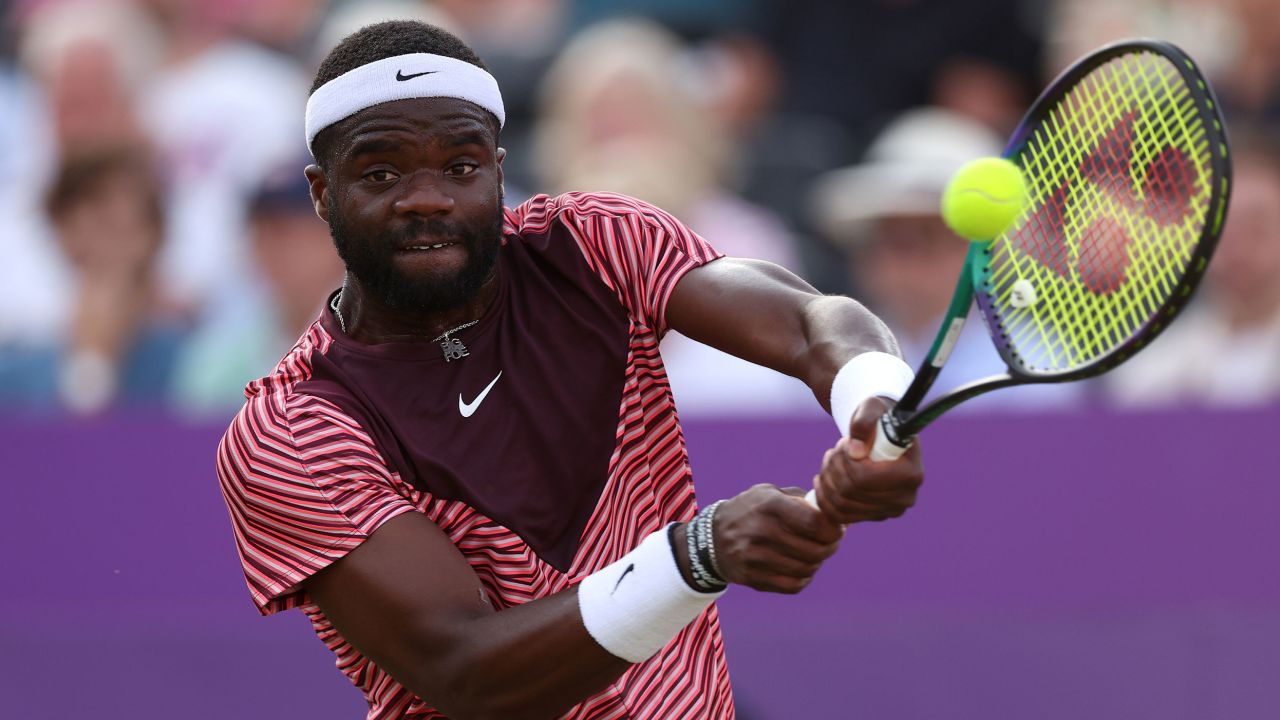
(630,567)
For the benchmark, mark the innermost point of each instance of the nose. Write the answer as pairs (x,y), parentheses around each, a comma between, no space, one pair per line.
(426,195)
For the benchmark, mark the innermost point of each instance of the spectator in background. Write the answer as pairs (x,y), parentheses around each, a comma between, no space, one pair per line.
(215,111)
(285,26)
(1207,29)
(105,208)
(1225,349)
(34,282)
(620,114)
(348,17)
(690,20)
(94,61)
(295,268)
(1250,88)
(885,213)
(104,223)
(223,112)
(846,69)
(85,64)
(1236,43)
(864,63)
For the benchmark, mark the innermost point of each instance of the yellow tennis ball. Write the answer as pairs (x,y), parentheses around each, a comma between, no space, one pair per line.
(984,198)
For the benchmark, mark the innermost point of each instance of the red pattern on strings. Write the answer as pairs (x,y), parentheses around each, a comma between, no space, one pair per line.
(1104,256)
(1169,184)
(1103,260)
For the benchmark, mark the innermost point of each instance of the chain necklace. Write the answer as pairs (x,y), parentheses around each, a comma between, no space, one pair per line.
(452,347)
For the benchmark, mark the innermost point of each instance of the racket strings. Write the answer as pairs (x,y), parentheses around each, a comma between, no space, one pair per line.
(1120,176)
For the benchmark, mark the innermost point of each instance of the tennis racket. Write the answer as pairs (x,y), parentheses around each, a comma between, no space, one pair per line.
(1128,175)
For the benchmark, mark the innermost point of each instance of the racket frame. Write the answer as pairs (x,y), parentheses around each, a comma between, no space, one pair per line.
(901,424)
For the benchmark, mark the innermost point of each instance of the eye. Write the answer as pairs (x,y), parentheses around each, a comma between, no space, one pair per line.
(461,169)
(380,176)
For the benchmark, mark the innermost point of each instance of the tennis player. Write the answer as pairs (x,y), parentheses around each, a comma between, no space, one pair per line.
(469,473)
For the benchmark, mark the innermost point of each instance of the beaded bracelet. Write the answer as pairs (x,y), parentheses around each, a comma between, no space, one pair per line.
(700,540)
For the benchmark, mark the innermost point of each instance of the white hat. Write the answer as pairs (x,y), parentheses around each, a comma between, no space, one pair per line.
(905,171)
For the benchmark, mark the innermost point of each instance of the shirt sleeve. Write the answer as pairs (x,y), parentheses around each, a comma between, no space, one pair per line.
(638,250)
(304,486)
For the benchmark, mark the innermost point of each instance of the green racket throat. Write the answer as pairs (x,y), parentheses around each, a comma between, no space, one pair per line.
(899,426)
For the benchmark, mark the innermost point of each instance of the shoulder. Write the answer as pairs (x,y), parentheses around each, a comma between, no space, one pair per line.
(283,425)
(576,209)
(301,461)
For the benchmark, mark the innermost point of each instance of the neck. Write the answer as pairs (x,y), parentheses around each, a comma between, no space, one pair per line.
(369,321)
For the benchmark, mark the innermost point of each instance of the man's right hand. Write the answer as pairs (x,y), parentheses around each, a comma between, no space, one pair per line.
(771,539)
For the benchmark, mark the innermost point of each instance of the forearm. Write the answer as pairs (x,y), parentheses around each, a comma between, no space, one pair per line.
(541,658)
(535,660)
(407,599)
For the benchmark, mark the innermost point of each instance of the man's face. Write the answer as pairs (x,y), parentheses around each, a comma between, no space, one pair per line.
(413,198)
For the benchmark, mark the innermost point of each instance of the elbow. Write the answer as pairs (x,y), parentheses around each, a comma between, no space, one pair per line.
(469,691)
(498,706)
(842,324)
(499,712)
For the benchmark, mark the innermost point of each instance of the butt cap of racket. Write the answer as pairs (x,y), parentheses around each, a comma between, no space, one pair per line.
(984,199)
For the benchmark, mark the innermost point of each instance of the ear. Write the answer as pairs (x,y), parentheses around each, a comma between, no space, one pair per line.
(502,155)
(319,186)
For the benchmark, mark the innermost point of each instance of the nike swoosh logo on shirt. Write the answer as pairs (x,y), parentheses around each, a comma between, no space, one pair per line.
(402,77)
(468,408)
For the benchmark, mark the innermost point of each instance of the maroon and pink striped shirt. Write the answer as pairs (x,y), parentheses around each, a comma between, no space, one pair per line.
(572,456)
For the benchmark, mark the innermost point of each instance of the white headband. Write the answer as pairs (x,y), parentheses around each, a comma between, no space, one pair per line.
(418,75)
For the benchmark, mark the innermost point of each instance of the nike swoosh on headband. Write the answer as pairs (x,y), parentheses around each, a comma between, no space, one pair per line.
(402,77)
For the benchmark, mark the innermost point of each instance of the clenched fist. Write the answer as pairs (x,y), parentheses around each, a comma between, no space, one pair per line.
(851,488)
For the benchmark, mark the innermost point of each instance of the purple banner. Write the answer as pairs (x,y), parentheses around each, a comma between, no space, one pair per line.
(1057,567)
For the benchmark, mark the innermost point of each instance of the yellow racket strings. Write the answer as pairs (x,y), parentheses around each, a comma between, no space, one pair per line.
(1119,175)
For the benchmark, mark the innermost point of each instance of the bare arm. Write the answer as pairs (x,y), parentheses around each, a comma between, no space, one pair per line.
(763,313)
(408,600)
(760,312)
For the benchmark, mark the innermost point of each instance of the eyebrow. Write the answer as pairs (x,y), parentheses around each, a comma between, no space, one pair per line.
(463,138)
(374,145)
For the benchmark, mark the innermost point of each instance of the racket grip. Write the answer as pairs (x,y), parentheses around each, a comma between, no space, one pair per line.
(883,449)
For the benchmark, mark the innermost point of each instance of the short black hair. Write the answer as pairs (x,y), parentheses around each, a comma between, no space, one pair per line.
(383,40)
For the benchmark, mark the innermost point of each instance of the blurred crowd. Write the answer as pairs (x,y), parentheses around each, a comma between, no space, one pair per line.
(159,246)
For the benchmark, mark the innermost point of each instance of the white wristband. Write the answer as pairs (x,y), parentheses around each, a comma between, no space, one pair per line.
(867,375)
(635,606)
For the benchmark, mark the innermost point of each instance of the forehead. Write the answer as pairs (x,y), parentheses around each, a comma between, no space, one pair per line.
(427,118)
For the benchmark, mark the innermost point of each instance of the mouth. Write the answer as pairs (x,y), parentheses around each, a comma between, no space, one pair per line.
(433,246)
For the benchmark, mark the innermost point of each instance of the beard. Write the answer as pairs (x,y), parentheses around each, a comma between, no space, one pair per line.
(370,260)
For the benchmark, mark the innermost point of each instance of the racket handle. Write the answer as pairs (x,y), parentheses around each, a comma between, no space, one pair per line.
(883,449)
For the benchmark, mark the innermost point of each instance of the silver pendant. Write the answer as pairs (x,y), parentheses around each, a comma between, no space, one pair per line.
(453,349)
